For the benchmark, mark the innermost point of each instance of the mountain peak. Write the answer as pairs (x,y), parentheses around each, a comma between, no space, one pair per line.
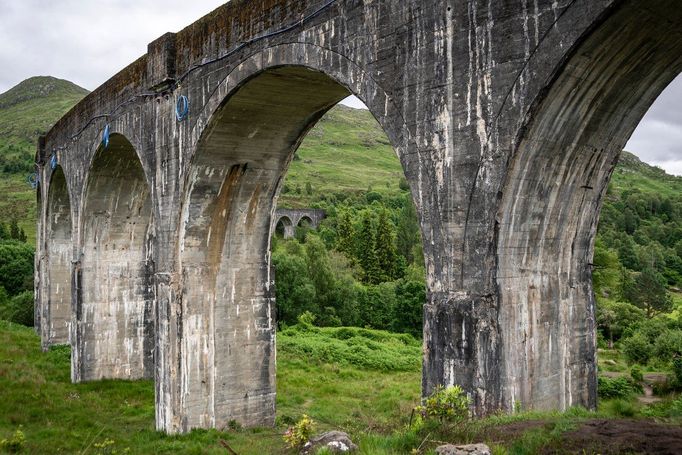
(40,87)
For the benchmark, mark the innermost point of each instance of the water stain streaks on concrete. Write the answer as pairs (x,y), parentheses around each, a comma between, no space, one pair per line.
(507,117)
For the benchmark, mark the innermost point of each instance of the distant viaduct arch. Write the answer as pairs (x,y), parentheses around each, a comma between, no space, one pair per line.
(507,119)
(292,218)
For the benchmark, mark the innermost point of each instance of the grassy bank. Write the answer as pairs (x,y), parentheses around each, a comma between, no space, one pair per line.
(317,374)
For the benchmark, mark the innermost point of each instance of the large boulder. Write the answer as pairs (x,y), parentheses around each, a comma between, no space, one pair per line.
(469,449)
(336,441)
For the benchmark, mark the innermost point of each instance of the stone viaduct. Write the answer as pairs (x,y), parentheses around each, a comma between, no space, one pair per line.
(507,116)
(291,218)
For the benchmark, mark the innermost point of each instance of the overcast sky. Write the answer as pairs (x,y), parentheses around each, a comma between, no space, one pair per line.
(87,41)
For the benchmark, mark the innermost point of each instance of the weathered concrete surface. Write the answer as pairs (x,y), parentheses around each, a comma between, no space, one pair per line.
(292,218)
(507,118)
(59,254)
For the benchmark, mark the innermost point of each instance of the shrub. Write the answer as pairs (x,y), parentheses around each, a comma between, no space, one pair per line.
(19,309)
(372,196)
(668,345)
(297,435)
(446,404)
(636,373)
(677,369)
(363,348)
(16,266)
(669,408)
(637,348)
(623,408)
(13,444)
(621,387)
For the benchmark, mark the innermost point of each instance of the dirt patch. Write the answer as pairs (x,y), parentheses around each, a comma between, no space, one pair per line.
(513,431)
(621,436)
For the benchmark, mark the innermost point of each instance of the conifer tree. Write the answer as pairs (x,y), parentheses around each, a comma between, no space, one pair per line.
(366,252)
(345,240)
(15,232)
(4,233)
(408,231)
(385,248)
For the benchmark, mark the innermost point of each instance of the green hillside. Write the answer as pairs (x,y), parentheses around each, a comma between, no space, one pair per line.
(632,173)
(346,152)
(26,111)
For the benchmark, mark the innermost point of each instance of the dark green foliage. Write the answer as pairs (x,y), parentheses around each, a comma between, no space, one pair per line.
(677,371)
(366,251)
(16,266)
(320,272)
(636,374)
(295,290)
(15,232)
(17,309)
(648,291)
(377,305)
(409,307)
(385,249)
(637,349)
(345,240)
(376,350)
(373,196)
(407,232)
(614,318)
(668,345)
(621,387)
(605,270)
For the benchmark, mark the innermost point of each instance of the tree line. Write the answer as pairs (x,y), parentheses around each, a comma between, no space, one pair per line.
(363,266)
(637,274)
(16,274)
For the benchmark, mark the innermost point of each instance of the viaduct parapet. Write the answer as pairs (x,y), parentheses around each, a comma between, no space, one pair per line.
(157,191)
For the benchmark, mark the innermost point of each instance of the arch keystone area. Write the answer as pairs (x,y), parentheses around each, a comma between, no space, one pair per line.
(507,122)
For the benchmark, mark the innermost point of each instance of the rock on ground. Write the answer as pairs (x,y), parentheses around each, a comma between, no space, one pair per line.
(469,449)
(336,441)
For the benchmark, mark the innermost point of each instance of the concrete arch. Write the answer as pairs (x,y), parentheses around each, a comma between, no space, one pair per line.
(553,192)
(122,130)
(228,289)
(287,227)
(304,219)
(114,301)
(59,246)
(233,183)
(356,80)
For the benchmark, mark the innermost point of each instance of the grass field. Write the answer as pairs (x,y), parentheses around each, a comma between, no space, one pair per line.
(373,404)
(59,417)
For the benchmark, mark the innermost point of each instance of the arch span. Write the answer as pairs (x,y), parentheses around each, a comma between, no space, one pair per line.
(115,310)
(284,227)
(59,256)
(228,215)
(305,221)
(552,197)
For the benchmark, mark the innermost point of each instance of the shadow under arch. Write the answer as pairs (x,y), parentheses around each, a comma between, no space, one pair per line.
(550,204)
(228,287)
(284,227)
(305,221)
(114,308)
(59,247)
